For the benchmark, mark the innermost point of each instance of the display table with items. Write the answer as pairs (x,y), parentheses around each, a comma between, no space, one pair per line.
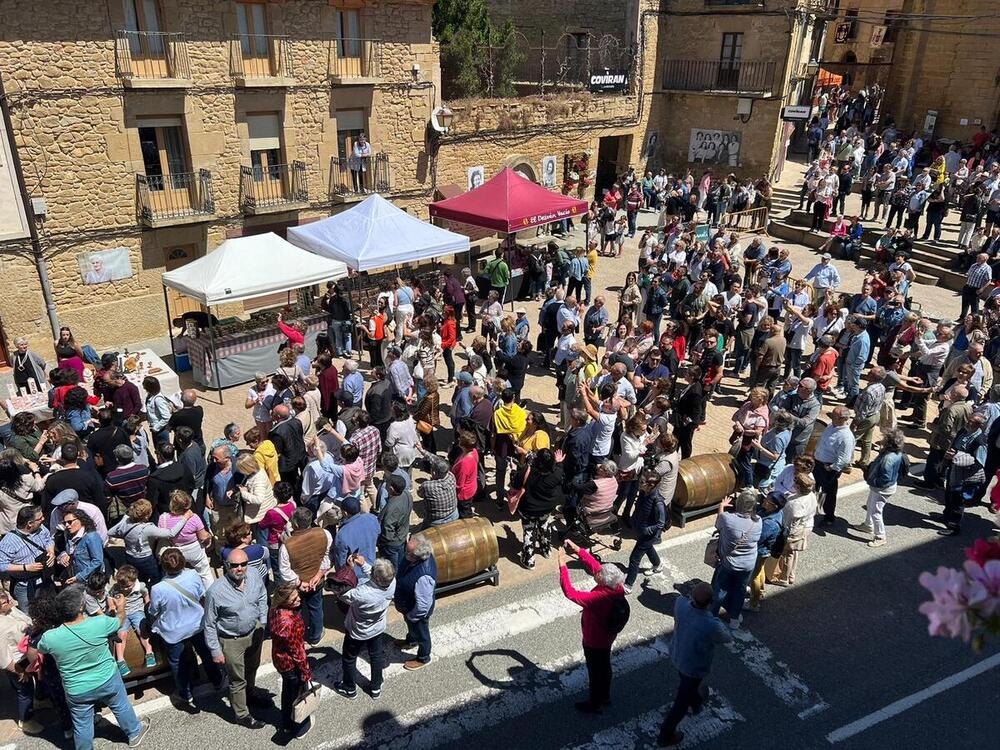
(246,347)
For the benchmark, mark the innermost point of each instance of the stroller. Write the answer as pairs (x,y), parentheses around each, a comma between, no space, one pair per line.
(595,515)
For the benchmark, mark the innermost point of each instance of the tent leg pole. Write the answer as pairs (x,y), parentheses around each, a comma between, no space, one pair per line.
(355,342)
(215,354)
(170,326)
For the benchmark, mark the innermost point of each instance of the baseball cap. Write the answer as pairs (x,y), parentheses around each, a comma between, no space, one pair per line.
(826,256)
(351,506)
(66,496)
(521,311)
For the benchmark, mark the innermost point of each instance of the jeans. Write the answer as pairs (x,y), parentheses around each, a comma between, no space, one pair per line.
(970,301)
(627,492)
(181,662)
(149,571)
(933,222)
(655,319)
(793,362)
(643,548)
(340,337)
(419,632)
(574,288)
(393,553)
(587,285)
(599,674)
(291,687)
(852,383)
(312,613)
(689,695)
(376,658)
(895,212)
(877,498)
(729,587)
(111,694)
(448,355)
(161,436)
(25,692)
(23,592)
(631,222)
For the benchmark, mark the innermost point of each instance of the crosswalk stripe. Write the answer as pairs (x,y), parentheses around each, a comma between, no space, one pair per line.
(451,719)
(717,717)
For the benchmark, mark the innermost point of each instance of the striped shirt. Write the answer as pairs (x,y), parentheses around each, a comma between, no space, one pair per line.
(979,276)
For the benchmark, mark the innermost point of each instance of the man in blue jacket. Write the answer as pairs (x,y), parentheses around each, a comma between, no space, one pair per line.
(416,581)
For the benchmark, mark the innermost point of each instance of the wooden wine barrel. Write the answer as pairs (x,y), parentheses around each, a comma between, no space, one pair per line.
(463,548)
(818,428)
(135,657)
(704,480)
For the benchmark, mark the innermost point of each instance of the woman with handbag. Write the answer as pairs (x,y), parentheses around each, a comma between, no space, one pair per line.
(288,654)
(427,415)
(750,422)
(797,521)
(193,537)
(634,440)
(542,493)
(365,624)
(175,614)
(739,532)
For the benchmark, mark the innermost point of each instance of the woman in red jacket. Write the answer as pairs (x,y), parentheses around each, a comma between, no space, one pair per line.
(449,337)
(598,631)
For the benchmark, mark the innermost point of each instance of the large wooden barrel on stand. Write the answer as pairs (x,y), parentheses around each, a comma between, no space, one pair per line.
(817,430)
(466,552)
(702,483)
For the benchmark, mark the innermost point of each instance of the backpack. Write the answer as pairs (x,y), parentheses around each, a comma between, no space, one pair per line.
(619,614)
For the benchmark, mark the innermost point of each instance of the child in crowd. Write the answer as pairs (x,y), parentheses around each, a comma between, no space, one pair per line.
(128,585)
(95,598)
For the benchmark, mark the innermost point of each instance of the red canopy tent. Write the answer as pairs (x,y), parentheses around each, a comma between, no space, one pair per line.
(508,203)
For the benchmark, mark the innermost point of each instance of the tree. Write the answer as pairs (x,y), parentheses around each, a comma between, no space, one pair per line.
(478,58)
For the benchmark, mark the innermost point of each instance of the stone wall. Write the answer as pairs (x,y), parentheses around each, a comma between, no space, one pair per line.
(76,128)
(953,73)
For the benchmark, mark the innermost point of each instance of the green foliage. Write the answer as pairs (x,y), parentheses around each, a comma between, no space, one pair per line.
(478,58)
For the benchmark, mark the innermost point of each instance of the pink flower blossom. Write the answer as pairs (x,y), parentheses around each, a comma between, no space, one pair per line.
(988,577)
(954,595)
(983,550)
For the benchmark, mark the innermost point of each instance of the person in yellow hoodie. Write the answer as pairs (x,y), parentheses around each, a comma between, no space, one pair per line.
(265,453)
(509,421)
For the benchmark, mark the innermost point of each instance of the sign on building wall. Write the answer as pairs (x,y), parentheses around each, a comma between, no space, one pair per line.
(102,266)
(878,36)
(476,177)
(649,150)
(843,33)
(714,147)
(549,171)
(13,221)
(609,80)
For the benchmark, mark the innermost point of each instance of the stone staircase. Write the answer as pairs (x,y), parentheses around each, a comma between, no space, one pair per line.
(933,264)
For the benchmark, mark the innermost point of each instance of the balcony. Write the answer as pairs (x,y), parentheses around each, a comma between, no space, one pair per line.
(152,60)
(714,76)
(733,3)
(275,188)
(173,200)
(259,61)
(355,61)
(370,174)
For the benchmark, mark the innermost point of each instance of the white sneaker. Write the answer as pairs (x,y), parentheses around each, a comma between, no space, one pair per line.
(877,542)
(653,571)
(628,589)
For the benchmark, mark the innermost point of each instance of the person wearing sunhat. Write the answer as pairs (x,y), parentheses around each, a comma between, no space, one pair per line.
(68,501)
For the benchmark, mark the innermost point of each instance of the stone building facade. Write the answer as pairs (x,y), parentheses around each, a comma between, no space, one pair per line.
(931,56)
(155,130)
(227,93)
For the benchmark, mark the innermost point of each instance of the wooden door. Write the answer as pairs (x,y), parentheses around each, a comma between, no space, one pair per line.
(349,46)
(729,61)
(168,176)
(174,258)
(251,19)
(146,44)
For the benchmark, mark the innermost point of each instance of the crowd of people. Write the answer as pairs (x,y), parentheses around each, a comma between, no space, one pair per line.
(319,493)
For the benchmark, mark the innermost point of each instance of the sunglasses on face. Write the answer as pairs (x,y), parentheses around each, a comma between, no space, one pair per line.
(238,565)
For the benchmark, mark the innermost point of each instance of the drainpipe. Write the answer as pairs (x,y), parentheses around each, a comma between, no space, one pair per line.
(36,245)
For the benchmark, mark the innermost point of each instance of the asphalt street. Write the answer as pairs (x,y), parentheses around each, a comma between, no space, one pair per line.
(841,659)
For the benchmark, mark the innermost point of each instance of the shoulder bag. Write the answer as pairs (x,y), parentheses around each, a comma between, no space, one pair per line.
(712,551)
(514,495)
(307,702)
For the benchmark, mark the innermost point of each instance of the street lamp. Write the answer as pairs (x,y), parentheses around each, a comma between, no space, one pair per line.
(441,119)
(812,68)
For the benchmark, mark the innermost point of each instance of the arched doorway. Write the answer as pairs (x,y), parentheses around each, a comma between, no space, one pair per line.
(849,59)
(522,165)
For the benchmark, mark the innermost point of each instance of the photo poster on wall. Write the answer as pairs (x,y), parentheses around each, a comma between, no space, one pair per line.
(714,147)
(103,266)
(549,172)
(476,177)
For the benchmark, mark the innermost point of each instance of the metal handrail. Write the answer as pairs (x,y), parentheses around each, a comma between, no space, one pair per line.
(174,196)
(360,175)
(261,56)
(355,58)
(273,185)
(735,76)
(151,54)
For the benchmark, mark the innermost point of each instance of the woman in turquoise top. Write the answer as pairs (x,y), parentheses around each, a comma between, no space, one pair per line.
(80,650)
(403,307)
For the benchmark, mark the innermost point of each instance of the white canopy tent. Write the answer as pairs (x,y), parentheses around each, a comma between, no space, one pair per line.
(374,234)
(246,267)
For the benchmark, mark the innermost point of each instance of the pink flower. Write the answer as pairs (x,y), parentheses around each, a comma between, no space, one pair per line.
(983,550)
(954,595)
(988,577)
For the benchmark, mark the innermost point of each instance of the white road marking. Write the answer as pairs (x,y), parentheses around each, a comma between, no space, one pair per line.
(717,717)
(454,717)
(904,704)
(784,683)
